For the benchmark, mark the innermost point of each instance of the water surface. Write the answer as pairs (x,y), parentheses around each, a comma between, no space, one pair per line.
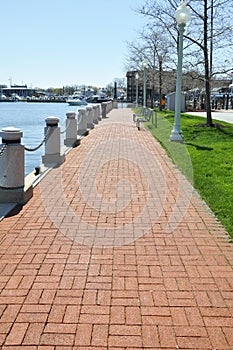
(30,119)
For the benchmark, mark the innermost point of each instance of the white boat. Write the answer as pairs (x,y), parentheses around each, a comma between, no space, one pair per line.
(76,101)
(98,98)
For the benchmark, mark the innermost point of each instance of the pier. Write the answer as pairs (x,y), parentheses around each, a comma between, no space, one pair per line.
(114,250)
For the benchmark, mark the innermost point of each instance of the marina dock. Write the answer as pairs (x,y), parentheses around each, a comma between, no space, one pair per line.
(115,250)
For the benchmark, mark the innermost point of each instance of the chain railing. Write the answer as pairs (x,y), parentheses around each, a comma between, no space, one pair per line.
(4,147)
(42,142)
(67,126)
(79,117)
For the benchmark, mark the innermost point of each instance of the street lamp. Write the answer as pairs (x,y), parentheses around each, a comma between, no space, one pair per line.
(144,65)
(136,77)
(160,82)
(182,17)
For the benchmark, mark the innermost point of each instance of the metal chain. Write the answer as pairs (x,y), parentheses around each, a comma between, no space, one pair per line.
(79,118)
(3,149)
(42,142)
(68,124)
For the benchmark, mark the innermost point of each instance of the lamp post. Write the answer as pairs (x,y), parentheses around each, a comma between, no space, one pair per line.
(160,82)
(144,65)
(136,77)
(182,17)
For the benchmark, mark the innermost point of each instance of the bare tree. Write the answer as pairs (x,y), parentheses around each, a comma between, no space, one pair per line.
(209,40)
(152,47)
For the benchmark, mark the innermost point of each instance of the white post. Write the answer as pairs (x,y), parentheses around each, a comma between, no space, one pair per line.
(99,114)
(82,122)
(52,154)
(104,109)
(90,124)
(95,114)
(12,181)
(71,130)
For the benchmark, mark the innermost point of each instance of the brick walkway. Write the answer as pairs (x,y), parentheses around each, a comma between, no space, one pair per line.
(115,251)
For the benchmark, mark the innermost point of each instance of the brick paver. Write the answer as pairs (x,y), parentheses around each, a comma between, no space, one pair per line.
(115,251)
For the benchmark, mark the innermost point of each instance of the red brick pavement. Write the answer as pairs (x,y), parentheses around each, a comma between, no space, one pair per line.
(115,251)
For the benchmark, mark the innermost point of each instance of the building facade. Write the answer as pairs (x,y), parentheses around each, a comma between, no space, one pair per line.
(165,81)
(19,90)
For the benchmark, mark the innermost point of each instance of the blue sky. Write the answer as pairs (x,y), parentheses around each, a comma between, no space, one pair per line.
(52,43)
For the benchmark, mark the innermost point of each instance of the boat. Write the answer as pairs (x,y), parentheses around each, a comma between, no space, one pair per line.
(76,101)
(98,99)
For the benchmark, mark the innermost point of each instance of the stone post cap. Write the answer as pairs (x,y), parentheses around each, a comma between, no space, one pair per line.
(52,121)
(89,108)
(71,115)
(11,133)
(94,106)
(82,110)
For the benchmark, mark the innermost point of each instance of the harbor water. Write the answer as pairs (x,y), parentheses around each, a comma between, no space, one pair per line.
(30,119)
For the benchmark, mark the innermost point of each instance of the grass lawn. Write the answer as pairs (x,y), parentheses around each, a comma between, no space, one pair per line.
(206,159)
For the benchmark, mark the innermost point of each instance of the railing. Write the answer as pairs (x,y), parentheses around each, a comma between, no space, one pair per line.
(12,178)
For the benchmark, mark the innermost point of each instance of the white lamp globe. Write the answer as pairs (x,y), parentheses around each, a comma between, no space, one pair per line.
(182,13)
(144,63)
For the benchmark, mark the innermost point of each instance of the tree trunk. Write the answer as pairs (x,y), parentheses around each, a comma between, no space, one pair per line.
(209,121)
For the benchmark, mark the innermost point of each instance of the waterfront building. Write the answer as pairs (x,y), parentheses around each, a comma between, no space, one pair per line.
(19,90)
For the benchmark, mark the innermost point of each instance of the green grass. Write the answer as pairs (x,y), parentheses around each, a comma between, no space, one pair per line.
(206,159)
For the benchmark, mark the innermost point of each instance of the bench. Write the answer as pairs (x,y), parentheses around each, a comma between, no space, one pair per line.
(138,119)
(141,114)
